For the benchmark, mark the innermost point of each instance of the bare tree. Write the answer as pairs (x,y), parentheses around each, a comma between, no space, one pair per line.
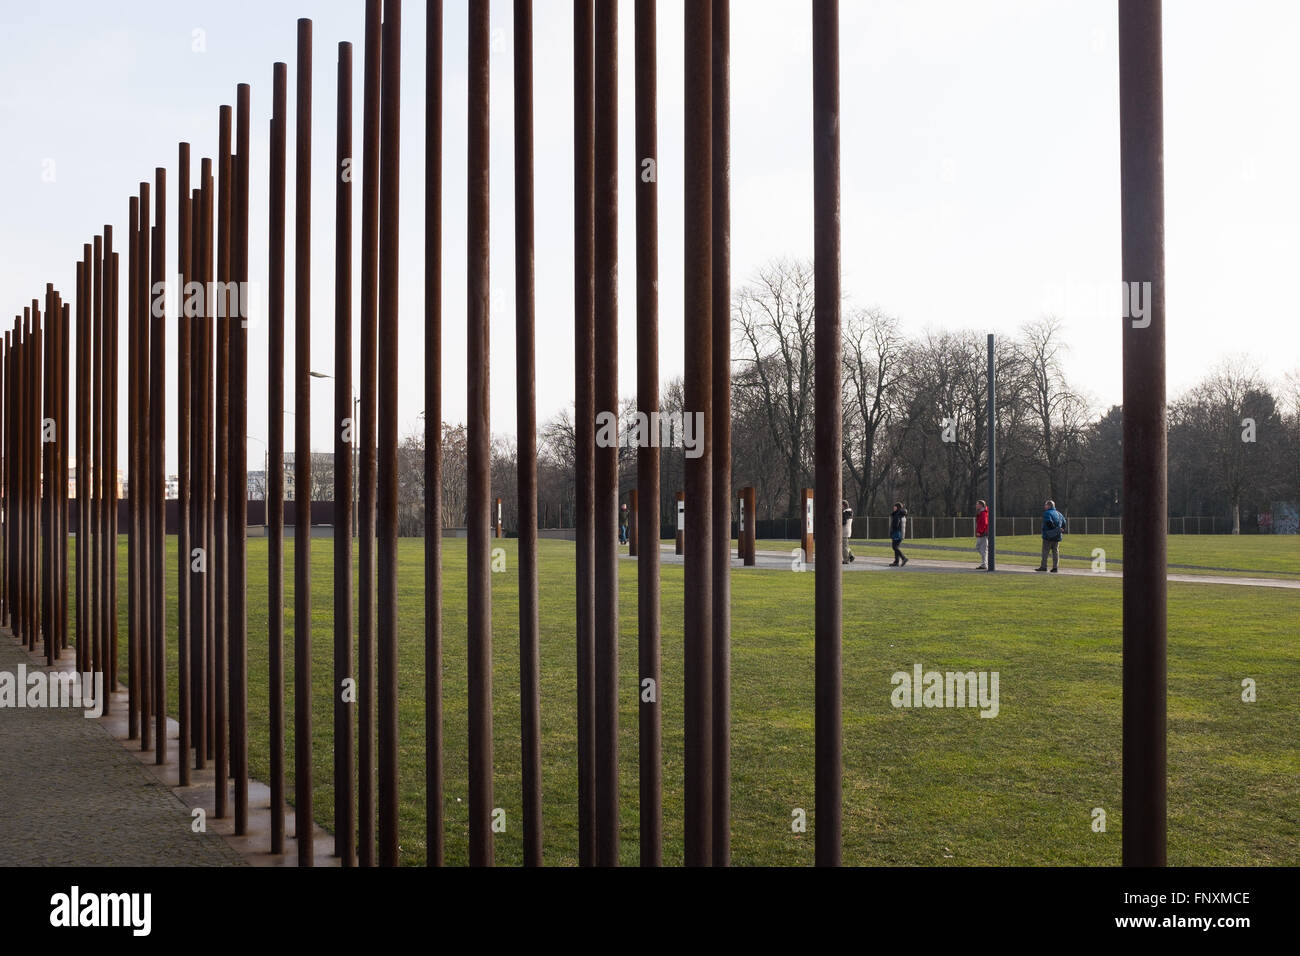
(774,316)
(873,349)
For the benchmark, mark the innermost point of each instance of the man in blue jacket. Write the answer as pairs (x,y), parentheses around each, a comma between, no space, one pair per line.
(1053,528)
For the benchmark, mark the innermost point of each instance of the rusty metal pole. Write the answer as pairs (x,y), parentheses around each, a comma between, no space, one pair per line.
(238,455)
(198,539)
(993,457)
(113,497)
(606,343)
(433,759)
(34,478)
(645,515)
(828,450)
(184,271)
(479,572)
(1145,486)
(140,472)
(722,495)
(103,606)
(221,469)
(158,479)
(47,482)
(77,440)
(344,766)
(94,372)
(4,480)
(530,706)
(95,476)
(5,493)
(61,474)
(275,449)
(22,338)
(389,206)
(369,330)
(584,318)
(698,609)
(207,454)
(302,770)
(66,431)
(132,426)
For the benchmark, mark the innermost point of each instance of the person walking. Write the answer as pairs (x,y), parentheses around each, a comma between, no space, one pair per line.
(622,525)
(897,532)
(982,534)
(1053,528)
(846,520)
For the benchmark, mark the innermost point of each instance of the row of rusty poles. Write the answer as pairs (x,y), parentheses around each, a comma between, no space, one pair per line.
(212,269)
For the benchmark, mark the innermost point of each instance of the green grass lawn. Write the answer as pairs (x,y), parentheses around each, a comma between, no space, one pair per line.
(1252,555)
(921,786)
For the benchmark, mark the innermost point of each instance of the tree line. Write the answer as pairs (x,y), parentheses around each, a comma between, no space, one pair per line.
(915,426)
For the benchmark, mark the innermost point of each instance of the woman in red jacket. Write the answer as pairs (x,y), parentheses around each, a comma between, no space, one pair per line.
(982,534)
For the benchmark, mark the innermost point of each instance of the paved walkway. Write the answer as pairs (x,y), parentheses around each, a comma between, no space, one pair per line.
(71,795)
(868,559)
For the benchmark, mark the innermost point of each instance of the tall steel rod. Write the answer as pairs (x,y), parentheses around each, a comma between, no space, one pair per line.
(344,427)
(47,479)
(530,707)
(698,605)
(184,271)
(197,569)
(65,443)
(827,437)
(1145,483)
(369,398)
(207,414)
(386,547)
(584,318)
(238,461)
(722,496)
(650,714)
(221,471)
(79,440)
(112,494)
(433,760)
(97,597)
(157,460)
(302,769)
(275,449)
(140,471)
(479,574)
(94,376)
(191,325)
(102,478)
(606,382)
(992,503)
(6,494)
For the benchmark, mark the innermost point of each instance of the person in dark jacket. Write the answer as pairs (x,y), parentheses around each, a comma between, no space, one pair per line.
(1053,528)
(897,532)
(982,534)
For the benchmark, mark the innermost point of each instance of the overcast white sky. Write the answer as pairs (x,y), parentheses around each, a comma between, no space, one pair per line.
(980,168)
